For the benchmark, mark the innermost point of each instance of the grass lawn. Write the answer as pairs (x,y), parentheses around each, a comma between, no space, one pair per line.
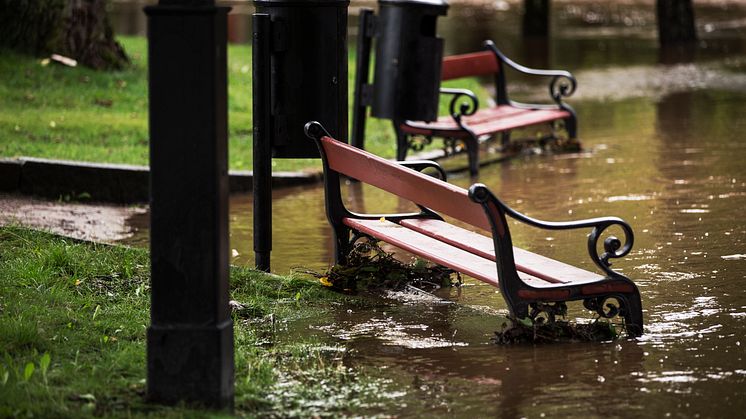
(73,318)
(57,112)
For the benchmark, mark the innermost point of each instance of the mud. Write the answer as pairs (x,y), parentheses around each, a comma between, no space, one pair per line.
(85,221)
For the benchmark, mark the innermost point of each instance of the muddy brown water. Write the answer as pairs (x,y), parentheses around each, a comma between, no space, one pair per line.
(664,148)
(674,168)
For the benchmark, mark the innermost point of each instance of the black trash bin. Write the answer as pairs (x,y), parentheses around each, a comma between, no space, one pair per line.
(408,59)
(299,75)
(308,71)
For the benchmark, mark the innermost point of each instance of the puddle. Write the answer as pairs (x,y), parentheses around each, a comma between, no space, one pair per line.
(93,222)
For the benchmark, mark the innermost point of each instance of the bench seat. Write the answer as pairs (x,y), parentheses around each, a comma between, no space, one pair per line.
(486,121)
(469,252)
(548,269)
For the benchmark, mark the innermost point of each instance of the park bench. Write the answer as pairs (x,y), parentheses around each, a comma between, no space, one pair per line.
(531,284)
(470,123)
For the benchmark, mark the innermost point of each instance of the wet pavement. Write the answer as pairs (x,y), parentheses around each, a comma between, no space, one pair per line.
(98,222)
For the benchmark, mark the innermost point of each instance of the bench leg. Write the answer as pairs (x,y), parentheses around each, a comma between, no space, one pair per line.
(342,245)
(402,142)
(571,125)
(472,151)
(504,139)
(629,307)
(633,314)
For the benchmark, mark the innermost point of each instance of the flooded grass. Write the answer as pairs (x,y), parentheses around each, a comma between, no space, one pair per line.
(73,317)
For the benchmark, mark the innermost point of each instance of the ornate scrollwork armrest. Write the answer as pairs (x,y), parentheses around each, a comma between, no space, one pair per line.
(561,85)
(421,165)
(613,246)
(465,108)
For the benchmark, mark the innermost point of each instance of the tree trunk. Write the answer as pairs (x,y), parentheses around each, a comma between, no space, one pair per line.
(79,29)
(675,21)
(536,18)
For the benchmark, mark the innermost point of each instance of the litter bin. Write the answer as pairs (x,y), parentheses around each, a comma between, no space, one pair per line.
(409,56)
(308,66)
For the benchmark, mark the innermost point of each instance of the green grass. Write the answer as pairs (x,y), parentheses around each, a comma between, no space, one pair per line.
(73,318)
(57,112)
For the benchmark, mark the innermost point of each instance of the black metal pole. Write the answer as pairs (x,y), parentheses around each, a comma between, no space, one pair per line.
(536,18)
(190,338)
(361,98)
(675,22)
(262,176)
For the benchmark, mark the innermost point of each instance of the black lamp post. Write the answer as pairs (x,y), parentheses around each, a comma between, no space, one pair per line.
(190,338)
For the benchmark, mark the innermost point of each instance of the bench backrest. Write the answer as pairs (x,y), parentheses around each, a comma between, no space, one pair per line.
(469,65)
(417,187)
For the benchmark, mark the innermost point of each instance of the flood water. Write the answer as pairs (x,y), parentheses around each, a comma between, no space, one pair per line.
(663,137)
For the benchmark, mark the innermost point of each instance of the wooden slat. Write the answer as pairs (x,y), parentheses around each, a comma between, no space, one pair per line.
(531,263)
(469,65)
(446,122)
(407,183)
(436,251)
(486,121)
(524,119)
(429,248)
(496,112)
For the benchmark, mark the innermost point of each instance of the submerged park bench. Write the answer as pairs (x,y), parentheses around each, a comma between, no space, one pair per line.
(469,123)
(529,282)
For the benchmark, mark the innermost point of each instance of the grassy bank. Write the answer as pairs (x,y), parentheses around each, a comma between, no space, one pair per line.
(73,318)
(58,112)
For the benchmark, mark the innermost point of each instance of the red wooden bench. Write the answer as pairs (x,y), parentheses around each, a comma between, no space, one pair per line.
(469,123)
(530,283)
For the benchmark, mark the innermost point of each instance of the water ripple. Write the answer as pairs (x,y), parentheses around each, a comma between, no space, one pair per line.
(391,332)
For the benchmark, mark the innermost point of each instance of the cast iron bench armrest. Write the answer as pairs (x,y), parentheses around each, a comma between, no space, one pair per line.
(464,108)
(420,165)
(613,247)
(561,85)
(417,165)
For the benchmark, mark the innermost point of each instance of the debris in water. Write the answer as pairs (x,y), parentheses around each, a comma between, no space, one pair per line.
(369,267)
(529,331)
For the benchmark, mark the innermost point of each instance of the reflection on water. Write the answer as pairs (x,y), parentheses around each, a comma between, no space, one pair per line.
(664,150)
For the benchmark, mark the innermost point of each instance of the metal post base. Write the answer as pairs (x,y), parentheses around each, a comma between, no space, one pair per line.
(191,363)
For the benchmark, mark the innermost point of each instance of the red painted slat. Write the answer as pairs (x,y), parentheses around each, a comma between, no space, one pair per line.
(436,251)
(469,65)
(429,248)
(486,121)
(531,263)
(446,122)
(524,119)
(488,114)
(407,183)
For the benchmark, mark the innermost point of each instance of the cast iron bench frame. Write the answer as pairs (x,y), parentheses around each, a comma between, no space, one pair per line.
(469,123)
(529,282)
